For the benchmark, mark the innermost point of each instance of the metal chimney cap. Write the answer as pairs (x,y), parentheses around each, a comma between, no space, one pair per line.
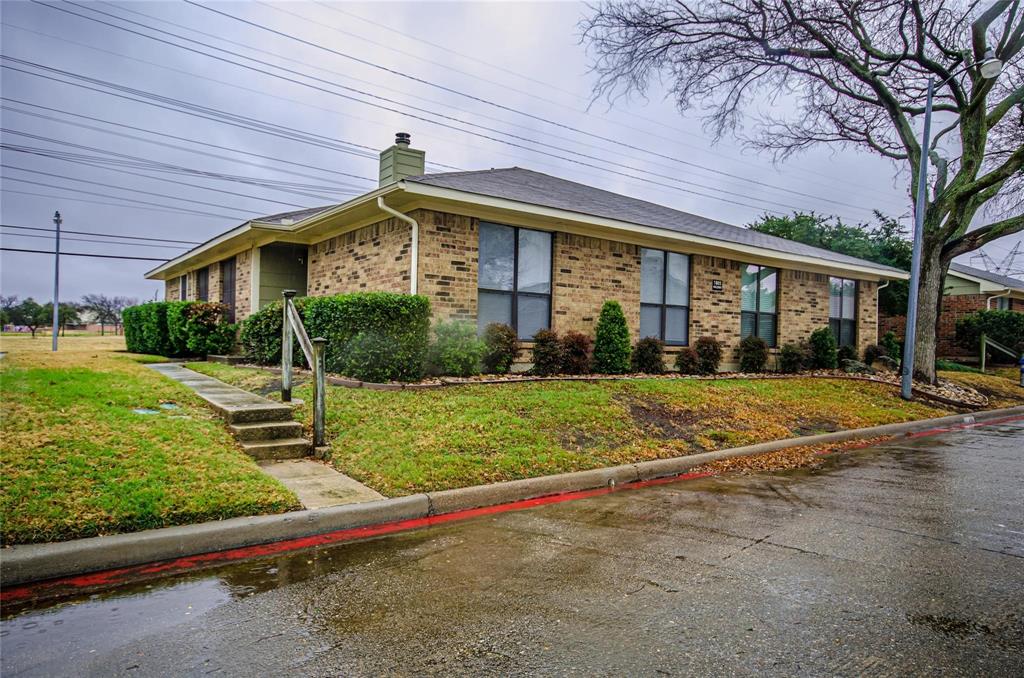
(402,138)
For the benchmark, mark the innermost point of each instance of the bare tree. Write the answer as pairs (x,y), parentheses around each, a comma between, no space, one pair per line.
(107,310)
(858,70)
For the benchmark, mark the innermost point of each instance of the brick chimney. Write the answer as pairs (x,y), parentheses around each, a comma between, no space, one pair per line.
(400,161)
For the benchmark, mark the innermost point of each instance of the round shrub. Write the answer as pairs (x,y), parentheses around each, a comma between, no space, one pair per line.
(794,357)
(649,356)
(893,347)
(687,361)
(824,355)
(611,345)
(501,344)
(548,355)
(709,355)
(846,352)
(873,352)
(576,348)
(205,330)
(753,354)
(456,350)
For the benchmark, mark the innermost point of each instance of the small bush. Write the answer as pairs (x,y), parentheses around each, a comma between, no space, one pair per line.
(502,344)
(687,361)
(548,354)
(892,345)
(856,367)
(1002,327)
(576,349)
(846,353)
(824,355)
(873,352)
(649,356)
(753,354)
(793,358)
(261,334)
(178,328)
(611,346)
(456,350)
(709,355)
(206,329)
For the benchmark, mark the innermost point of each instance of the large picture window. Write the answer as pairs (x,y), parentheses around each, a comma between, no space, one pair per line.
(665,296)
(842,310)
(514,283)
(758,303)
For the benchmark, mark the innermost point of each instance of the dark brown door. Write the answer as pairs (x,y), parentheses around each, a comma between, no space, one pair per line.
(227,286)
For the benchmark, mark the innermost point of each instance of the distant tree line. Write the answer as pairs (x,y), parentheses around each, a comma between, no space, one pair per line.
(96,308)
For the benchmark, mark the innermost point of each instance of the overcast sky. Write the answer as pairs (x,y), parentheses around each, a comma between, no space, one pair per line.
(502,70)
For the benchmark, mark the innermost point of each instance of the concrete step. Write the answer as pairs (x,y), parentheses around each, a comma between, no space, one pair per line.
(248,413)
(286,448)
(266,430)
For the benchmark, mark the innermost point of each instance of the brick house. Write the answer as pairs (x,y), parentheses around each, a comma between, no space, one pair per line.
(535,251)
(967,290)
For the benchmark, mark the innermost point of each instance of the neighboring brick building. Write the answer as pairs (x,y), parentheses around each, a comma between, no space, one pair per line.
(967,290)
(535,251)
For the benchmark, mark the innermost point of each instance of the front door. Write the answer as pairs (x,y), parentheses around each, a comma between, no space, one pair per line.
(227,286)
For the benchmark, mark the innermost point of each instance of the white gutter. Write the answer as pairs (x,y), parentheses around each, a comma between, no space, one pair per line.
(988,302)
(415,253)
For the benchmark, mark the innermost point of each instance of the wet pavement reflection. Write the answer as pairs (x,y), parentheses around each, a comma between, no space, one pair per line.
(903,558)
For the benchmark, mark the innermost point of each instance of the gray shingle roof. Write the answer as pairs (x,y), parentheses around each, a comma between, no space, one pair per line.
(297,215)
(1005,281)
(522,185)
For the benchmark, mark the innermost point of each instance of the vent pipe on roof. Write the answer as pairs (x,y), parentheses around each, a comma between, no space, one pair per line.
(401,161)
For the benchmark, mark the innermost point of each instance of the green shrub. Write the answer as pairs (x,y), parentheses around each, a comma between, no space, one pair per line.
(649,356)
(179,328)
(371,336)
(824,355)
(950,366)
(611,345)
(177,334)
(846,352)
(873,352)
(687,361)
(576,349)
(794,357)
(709,355)
(131,321)
(502,345)
(1002,327)
(893,347)
(753,354)
(456,350)
(548,355)
(206,328)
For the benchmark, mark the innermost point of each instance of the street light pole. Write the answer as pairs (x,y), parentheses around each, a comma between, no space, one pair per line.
(910,335)
(990,67)
(56,278)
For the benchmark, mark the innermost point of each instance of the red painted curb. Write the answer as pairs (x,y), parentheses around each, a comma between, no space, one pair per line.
(107,578)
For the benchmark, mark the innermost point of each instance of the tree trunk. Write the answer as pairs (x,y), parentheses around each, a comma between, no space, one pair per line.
(929,300)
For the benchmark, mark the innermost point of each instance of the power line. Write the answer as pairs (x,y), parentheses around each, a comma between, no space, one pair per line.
(80,254)
(174,210)
(106,235)
(104,242)
(472,97)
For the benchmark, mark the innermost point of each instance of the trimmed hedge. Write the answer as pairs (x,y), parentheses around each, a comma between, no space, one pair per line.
(649,356)
(1003,327)
(178,328)
(371,336)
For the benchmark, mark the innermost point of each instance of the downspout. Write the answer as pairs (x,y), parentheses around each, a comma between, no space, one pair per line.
(415,253)
(988,302)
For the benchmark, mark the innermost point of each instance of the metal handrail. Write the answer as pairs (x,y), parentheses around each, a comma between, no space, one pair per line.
(291,326)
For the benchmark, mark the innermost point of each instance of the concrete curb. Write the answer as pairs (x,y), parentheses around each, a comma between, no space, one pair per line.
(36,562)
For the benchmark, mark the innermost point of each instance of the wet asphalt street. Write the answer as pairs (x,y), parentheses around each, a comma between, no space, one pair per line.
(907,558)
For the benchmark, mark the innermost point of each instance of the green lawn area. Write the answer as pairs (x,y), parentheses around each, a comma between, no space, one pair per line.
(402,442)
(78,462)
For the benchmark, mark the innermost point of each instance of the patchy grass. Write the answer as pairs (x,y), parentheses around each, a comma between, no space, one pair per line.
(402,442)
(78,462)
(1002,385)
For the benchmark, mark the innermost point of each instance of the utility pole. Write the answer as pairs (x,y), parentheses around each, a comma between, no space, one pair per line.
(56,278)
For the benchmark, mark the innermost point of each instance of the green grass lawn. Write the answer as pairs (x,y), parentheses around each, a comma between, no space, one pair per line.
(78,462)
(402,442)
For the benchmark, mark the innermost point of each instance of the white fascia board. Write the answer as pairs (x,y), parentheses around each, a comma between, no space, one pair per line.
(198,250)
(579,217)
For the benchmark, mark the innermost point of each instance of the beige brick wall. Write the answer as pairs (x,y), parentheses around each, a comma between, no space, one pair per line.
(588,272)
(715,313)
(172,289)
(213,293)
(372,258)
(803,304)
(448,263)
(243,285)
(867,314)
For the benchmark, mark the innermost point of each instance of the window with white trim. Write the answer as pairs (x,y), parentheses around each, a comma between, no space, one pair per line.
(665,296)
